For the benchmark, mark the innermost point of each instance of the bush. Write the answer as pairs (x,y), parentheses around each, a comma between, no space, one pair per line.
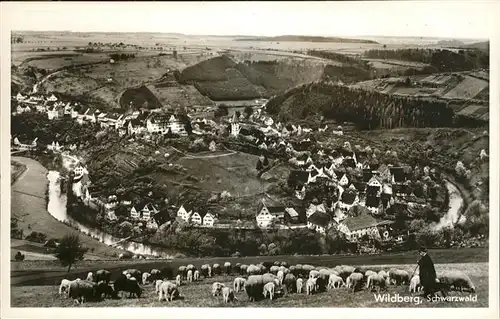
(37,237)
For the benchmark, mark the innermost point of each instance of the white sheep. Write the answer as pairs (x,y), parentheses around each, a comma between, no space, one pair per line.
(311,284)
(300,285)
(228,294)
(216,288)
(196,275)
(415,284)
(189,276)
(269,289)
(239,284)
(90,277)
(335,281)
(178,280)
(457,280)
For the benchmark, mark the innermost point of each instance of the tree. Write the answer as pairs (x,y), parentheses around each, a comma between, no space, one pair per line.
(259,165)
(248,111)
(70,250)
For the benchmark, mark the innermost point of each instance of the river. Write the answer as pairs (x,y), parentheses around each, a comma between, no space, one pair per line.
(57,208)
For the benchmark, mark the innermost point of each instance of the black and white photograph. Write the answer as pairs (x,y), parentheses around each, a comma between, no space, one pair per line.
(250,154)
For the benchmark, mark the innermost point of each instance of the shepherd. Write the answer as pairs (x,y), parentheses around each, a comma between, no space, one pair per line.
(427,274)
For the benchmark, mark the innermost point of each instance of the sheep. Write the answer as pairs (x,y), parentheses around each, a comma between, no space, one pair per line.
(269,288)
(178,280)
(253,270)
(399,277)
(157,285)
(457,280)
(239,284)
(228,294)
(376,281)
(90,277)
(190,267)
(227,267)
(415,284)
(182,271)
(145,278)
(82,290)
(216,269)
(189,276)
(311,284)
(354,281)
(290,282)
(300,285)
(155,274)
(243,269)
(369,272)
(274,269)
(137,274)
(383,273)
(102,275)
(254,286)
(196,275)
(216,288)
(335,281)
(130,285)
(206,270)
(168,290)
(64,287)
(281,276)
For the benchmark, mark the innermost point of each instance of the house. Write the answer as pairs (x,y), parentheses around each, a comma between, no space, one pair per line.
(292,215)
(298,178)
(91,115)
(113,120)
(347,200)
(355,227)
(53,112)
(319,222)
(158,123)
(81,114)
(344,181)
(313,208)
(134,126)
(210,219)
(161,218)
(176,126)
(55,147)
(52,98)
(185,212)
(79,170)
(375,183)
(235,125)
(398,175)
(135,211)
(373,204)
(197,218)
(148,210)
(20,97)
(267,214)
(349,159)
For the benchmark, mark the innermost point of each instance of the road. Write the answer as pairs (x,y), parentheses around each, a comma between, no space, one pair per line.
(28,204)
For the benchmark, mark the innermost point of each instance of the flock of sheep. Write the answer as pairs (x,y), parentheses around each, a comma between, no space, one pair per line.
(264,280)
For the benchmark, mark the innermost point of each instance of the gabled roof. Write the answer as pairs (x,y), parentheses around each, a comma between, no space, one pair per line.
(363,220)
(398,173)
(292,212)
(320,219)
(374,179)
(187,207)
(159,118)
(371,190)
(299,176)
(276,210)
(367,175)
(150,207)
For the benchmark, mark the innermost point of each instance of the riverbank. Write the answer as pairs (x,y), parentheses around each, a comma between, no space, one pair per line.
(29,205)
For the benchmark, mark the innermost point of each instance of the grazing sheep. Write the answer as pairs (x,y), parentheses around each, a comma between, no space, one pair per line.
(189,276)
(376,281)
(284,264)
(168,290)
(82,290)
(216,288)
(274,269)
(399,277)
(216,269)
(130,285)
(263,269)
(178,280)
(64,287)
(290,283)
(254,287)
(383,274)
(314,274)
(228,294)
(206,270)
(335,281)
(269,289)
(196,275)
(243,269)
(190,267)
(281,276)
(369,272)
(415,284)
(227,267)
(155,274)
(182,271)
(137,274)
(456,280)
(145,278)
(157,285)
(239,284)
(354,281)
(90,277)
(300,285)
(311,284)
(102,275)
(253,270)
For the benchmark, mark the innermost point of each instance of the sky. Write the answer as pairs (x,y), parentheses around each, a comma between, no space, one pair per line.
(454,19)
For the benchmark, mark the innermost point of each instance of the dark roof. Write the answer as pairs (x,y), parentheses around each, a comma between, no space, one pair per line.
(360,186)
(187,206)
(348,197)
(292,212)
(367,175)
(160,118)
(371,190)
(150,206)
(398,173)
(361,221)
(161,217)
(299,176)
(319,218)
(358,210)
(400,189)
(276,210)
(346,153)
(372,201)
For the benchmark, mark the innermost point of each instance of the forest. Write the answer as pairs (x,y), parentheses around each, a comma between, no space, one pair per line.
(366,109)
(443,60)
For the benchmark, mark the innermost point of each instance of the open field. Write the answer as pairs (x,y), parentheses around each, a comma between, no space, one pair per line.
(198,294)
